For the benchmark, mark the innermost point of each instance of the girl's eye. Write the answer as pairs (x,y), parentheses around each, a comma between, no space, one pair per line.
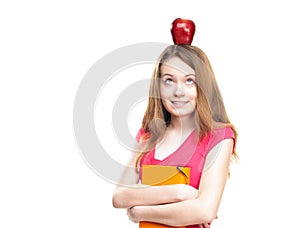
(169,81)
(189,81)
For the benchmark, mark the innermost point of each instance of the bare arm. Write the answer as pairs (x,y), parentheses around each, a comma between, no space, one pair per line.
(129,193)
(201,210)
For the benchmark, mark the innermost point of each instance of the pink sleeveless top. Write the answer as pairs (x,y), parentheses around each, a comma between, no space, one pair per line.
(192,153)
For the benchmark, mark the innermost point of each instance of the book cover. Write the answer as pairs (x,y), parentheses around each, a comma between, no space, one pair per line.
(163,175)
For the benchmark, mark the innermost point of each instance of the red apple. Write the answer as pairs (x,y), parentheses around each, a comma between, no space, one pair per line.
(183,31)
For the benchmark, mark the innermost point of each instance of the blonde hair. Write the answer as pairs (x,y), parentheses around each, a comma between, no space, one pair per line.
(210,111)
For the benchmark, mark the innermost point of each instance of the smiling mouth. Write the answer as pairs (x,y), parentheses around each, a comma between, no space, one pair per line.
(179,103)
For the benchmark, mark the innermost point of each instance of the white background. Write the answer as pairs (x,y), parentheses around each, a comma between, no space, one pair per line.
(47,47)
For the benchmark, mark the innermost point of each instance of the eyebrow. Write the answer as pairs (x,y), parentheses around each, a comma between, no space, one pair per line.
(187,75)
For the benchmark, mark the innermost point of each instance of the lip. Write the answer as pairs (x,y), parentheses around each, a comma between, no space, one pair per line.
(179,103)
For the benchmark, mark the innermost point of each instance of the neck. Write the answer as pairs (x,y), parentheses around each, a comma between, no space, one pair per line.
(182,123)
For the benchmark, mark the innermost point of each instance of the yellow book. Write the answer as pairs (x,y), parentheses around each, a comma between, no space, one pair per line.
(163,175)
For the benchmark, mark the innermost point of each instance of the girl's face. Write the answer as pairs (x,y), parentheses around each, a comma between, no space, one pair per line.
(178,87)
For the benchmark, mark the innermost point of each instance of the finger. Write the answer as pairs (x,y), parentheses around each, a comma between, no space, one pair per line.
(129,214)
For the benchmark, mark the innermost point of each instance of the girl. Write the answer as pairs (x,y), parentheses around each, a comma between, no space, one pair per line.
(185,124)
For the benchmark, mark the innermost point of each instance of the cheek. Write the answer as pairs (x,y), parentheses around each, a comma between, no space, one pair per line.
(192,94)
(165,93)
(165,104)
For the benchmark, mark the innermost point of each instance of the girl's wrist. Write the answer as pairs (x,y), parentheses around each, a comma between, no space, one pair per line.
(186,192)
(134,214)
(139,212)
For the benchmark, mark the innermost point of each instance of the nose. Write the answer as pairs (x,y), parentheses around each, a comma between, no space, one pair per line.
(178,91)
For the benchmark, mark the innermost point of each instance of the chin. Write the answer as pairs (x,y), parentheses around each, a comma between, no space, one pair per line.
(182,114)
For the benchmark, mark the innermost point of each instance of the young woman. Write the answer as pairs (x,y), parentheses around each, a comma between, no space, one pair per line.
(185,124)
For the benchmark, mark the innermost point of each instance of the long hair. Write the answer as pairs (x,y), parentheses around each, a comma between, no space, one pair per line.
(210,111)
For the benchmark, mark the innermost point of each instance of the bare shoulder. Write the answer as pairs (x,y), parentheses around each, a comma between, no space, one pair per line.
(221,151)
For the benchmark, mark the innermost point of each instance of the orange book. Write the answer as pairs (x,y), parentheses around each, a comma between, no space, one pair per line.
(163,175)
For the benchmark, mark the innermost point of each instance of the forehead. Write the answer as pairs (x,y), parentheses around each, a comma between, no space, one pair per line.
(176,65)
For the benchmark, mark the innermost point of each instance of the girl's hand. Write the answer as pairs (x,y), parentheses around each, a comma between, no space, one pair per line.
(132,215)
(204,225)
(207,225)
(187,192)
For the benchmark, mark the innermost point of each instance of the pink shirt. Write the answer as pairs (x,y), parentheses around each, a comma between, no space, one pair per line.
(190,154)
